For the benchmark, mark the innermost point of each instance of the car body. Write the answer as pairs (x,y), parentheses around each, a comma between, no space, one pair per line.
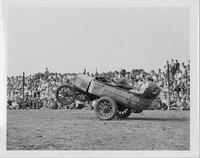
(122,100)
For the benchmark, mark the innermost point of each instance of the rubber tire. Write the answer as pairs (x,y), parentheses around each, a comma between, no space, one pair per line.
(114,108)
(58,98)
(124,115)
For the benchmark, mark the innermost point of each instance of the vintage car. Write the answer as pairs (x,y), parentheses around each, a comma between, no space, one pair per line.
(112,100)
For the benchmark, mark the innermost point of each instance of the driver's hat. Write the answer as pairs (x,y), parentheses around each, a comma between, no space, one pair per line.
(123,72)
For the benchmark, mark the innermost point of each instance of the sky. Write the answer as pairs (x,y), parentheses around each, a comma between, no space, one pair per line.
(70,39)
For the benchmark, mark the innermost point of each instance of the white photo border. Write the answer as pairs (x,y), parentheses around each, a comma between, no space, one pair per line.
(194,61)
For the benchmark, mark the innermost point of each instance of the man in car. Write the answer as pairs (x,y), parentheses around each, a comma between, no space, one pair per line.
(148,85)
(123,81)
(149,80)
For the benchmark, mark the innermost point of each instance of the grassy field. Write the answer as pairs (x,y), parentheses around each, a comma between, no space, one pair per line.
(82,130)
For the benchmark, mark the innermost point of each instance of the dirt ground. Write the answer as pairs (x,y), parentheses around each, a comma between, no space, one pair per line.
(82,130)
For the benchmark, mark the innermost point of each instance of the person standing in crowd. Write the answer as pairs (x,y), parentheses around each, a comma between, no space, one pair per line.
(84,71)
(172,68)
(177,66)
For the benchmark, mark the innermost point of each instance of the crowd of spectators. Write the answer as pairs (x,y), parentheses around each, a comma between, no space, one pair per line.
(39,89)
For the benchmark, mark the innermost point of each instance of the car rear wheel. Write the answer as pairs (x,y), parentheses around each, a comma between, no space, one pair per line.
(123,112)
(105,108)
(65,94)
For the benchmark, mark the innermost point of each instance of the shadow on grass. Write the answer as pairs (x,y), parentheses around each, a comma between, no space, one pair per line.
(175,119)
(154,119)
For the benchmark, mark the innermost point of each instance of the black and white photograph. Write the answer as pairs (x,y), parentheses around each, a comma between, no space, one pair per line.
(96,78)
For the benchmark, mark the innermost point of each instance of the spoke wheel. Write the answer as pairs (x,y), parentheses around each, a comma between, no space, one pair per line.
(81,97)
(65,95)
(105,108)
(123,112)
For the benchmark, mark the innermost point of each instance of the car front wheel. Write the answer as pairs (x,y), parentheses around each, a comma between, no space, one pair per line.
(65,95)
